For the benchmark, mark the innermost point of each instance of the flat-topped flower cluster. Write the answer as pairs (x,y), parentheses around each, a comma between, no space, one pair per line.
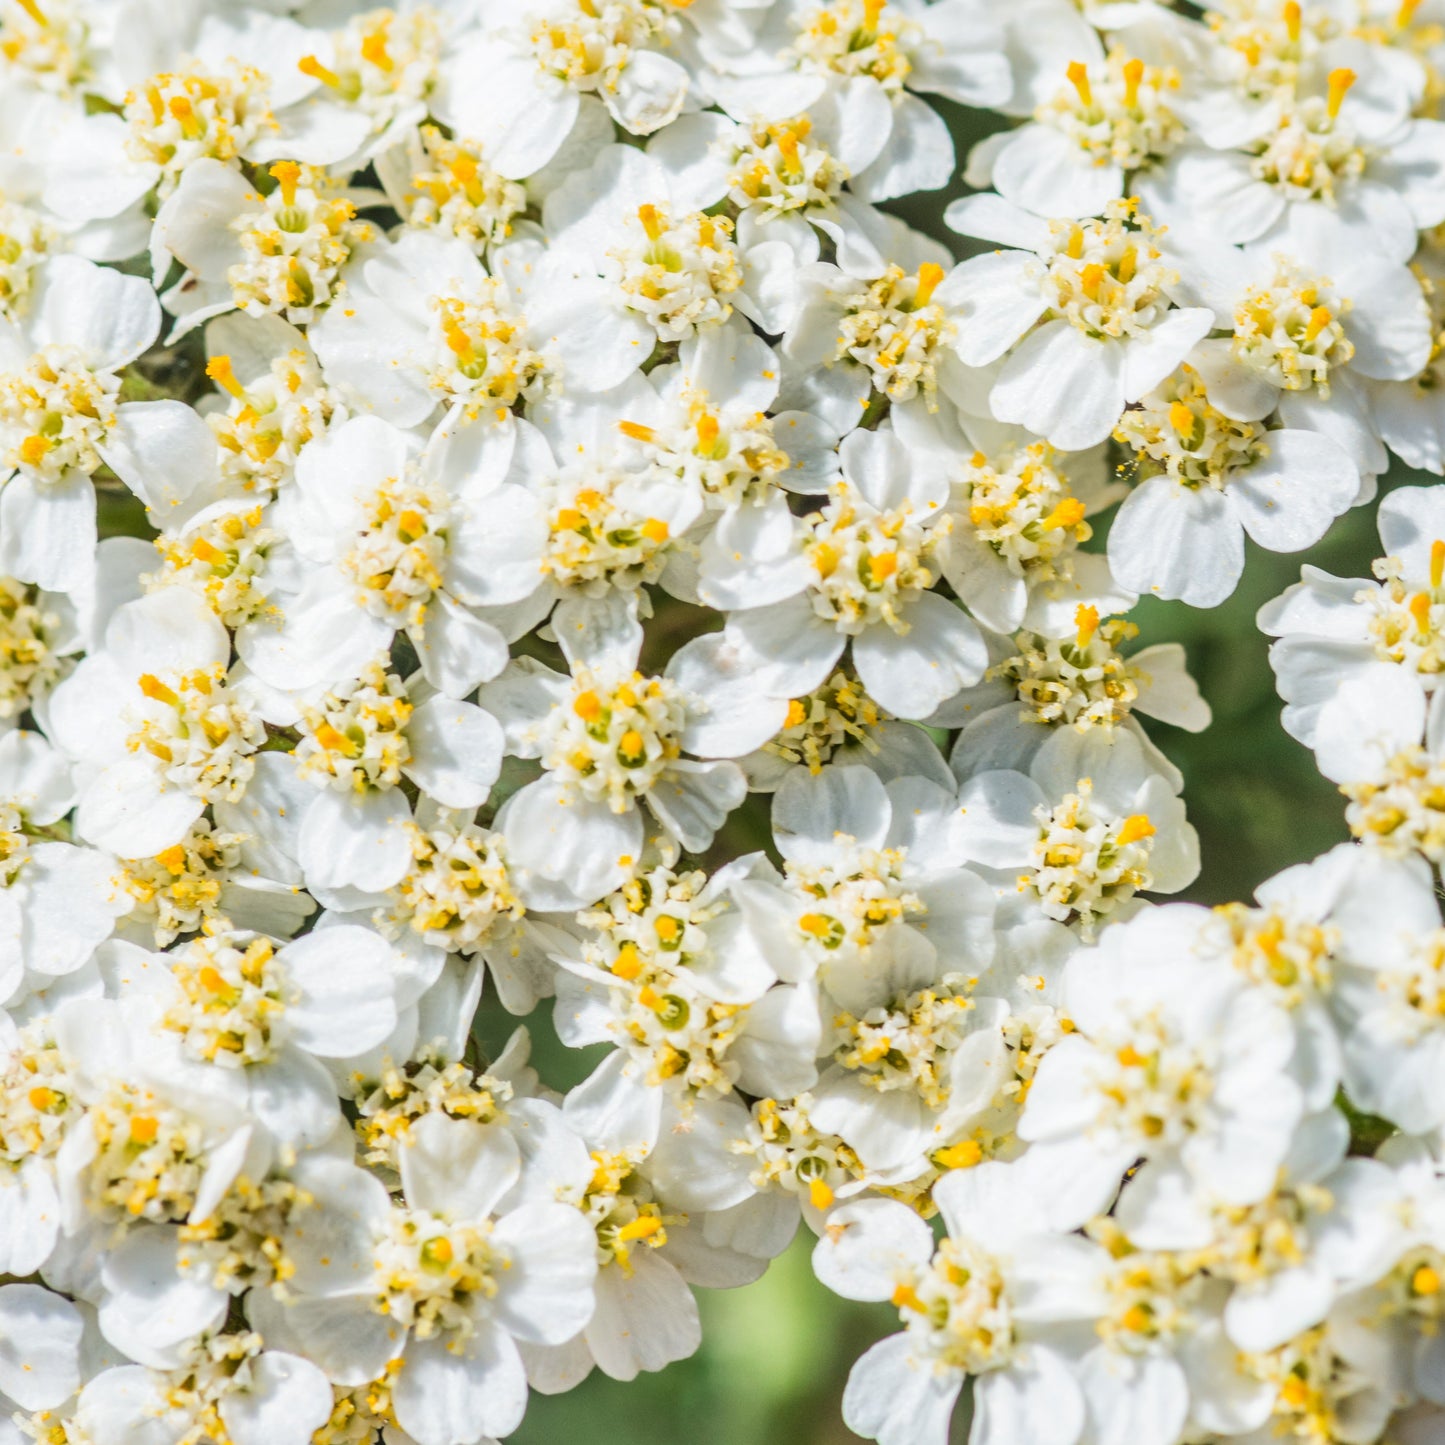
(464,467)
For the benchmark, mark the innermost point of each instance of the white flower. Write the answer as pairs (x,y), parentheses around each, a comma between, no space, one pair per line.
(279,254)
(1357,662)
(1103,291)
(860,570)
(1205,479)
(609,739)
(870,56)
(1089,825)
(383,542)
(984,1303)
(1172,1058)
(521,88)
(160,724)
(58,405)
(445,1282)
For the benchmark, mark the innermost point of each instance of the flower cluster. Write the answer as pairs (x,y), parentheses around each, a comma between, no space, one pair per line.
(384,397)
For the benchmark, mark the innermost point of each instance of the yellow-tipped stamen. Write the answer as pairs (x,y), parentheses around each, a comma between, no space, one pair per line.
(1181,419)
(336,742)
(1137,1319)
(1136,826)
(34,12)
(213,981)
(220,370)
(1075,248)
(1425,1280)
(373,49)
(458,342)
(287,174)
(34,449)
(819,1195)
(192,127)
(587,706)
(42,1098)
(1069,513)
(788,145)
(963,1155)
(1437,562)
(906,1297)
(872,10)
(1091,277)
(930,274)
(643,1227)
(1133,74)
(309,65)
(143,1129)
(1406,13)
(173,860)
(204,551)
(631,745)
(668,929)
(1340,82)
(156,690)
(651,221)
(1078,74)
(628,963)
(882,566)
(1292,17)
(1128,264)
(637,431)
(797,713)
(656,530)
(1420,611)
(707,429)
(1320,317)
(1086,620)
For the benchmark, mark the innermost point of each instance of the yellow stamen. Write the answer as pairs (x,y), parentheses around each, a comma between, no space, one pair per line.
(628,963)
(143,1129)
(655,530)
(1091,278)
(872,9)
(1403,16)
(707,430)
(1136,826)
(819,1195)
(1086,620)
(34,12)
(309,65)
(287,174)
(1420,611)
(906,1297)
(1437,562)
(651,221)
(220,370)
(1137,1319)
(1181,418)
(34,449)
(1425,1280)
(1133,74)
(156,690)
(1295,1393)
(819,925)
(213,981)
(929,276)
(1320,317)
(669,930)
(1069,513)
(373,49)
(637,431)
(643,1227)
(1340,82)
(963,1155)
(1078,74)
(335,742)
(173,859)
(1292,16)
(631,745)
(587,706)
(883,566)
(1130,1057)
(42,1098)
(797,714)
